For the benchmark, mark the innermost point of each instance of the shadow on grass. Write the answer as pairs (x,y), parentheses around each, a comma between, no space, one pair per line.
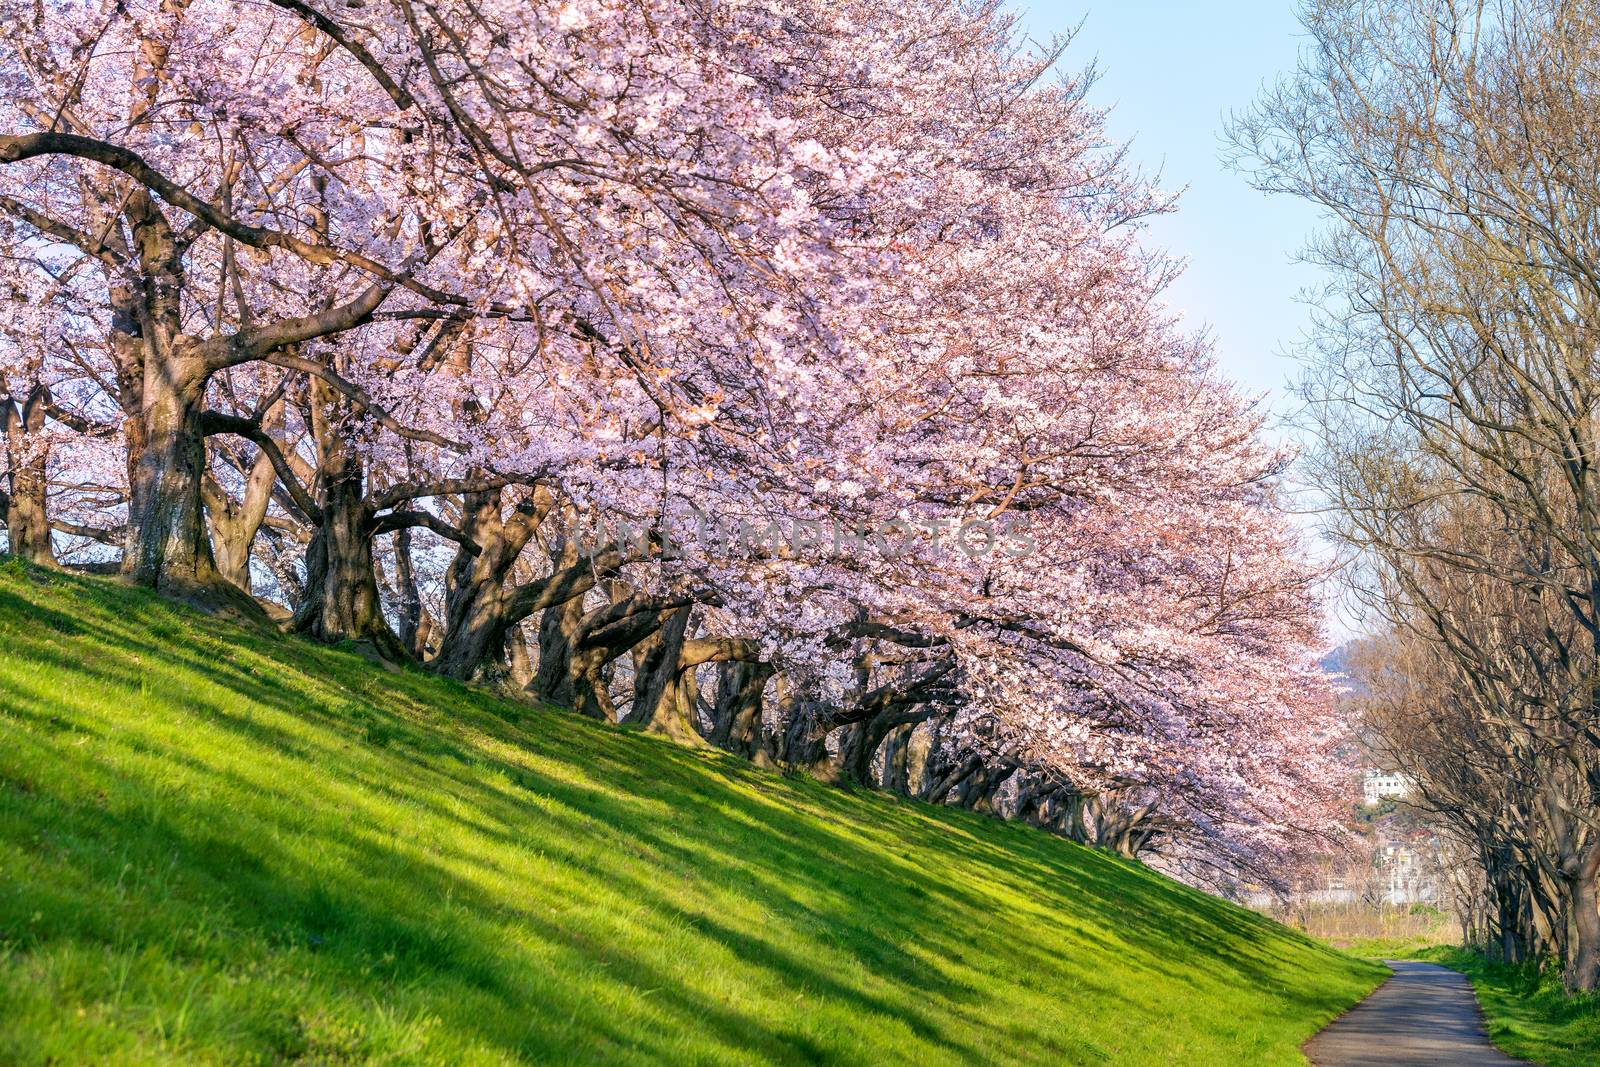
(897,915)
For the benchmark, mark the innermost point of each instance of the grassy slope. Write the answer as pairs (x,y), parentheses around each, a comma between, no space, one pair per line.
(1529,1016)
(227,846)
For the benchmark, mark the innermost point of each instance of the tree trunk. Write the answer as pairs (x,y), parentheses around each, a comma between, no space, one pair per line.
(664,694)
(416,628)
(558,630)
(234,525)
(736,714)
(27,513)
(281,557)
(474,634)
(477,595)
(27,520)
(570,675)
(947,789)
(231,551)
(589,682)
(167,546)
(1583,966)
(921,746)
(859,749)
(517,659)
(341,601)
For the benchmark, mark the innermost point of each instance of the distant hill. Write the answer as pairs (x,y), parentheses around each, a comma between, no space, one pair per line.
(220,845)
(1338,662)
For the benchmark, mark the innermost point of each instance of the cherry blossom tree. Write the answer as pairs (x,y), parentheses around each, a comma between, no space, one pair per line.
(788,377)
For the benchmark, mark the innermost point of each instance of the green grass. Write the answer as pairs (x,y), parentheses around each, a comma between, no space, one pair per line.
(1529,1015)
(219,845)
(1388,948)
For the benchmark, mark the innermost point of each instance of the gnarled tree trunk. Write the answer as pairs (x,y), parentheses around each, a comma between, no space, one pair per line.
(167,544)
(666,693)
(341,601)
(559,628)
(736,712)
(478,596)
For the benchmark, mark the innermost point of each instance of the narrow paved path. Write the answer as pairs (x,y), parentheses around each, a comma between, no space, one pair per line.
(1424,1015)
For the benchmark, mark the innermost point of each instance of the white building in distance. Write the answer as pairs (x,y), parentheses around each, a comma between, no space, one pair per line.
(1381,785)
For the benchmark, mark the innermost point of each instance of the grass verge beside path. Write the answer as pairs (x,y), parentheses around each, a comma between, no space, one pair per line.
(221,845)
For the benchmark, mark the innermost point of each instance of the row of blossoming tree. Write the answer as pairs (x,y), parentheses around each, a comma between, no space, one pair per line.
(780,375)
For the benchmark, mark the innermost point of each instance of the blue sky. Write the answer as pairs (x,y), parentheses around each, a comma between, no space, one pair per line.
(1171,72)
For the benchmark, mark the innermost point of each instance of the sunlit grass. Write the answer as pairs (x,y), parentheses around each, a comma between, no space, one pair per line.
(221,845)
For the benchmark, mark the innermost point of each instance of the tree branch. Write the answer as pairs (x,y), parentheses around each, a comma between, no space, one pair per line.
(212,422)
(405,520)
